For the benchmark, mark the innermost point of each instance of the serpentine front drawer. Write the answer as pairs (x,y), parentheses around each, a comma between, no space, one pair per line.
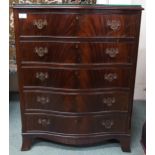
(60,124)
(69,53)
(60,102)
(75,24)
(108,77)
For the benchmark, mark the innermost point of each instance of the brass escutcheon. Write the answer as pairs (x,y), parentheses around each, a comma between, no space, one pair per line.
(41,51)
(112,52)
(40,23)
(114,24)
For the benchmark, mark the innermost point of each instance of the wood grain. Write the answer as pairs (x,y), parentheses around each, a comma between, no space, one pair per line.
(80,92)
(84,25)
(77,53)
(75,125)
(77,78)
(68,103)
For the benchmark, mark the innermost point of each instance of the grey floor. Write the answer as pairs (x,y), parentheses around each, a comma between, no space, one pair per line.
(49,148)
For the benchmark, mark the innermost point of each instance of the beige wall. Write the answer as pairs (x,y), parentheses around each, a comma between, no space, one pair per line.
(140,84)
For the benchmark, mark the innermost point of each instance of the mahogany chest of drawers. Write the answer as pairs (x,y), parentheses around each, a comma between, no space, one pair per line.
(76,72)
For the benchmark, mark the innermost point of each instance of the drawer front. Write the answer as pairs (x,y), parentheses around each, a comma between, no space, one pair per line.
(76,79)
(83,25)
(48,24)
(80,53)
(76,124)
(72,102)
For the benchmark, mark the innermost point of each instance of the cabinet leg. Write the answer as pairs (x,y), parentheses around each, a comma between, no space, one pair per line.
(125,144)
(27,142)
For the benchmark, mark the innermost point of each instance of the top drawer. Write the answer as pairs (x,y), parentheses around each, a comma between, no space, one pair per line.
(82,25)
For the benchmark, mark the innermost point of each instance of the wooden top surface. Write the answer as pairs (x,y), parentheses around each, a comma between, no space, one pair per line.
(81,6)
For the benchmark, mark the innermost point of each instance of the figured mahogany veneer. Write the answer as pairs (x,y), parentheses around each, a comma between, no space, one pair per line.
(76,124)
(76,79)
(76,71)
(60,102)
(77,53)
(79,24)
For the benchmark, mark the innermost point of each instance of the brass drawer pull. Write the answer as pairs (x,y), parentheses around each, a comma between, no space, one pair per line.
(43,100)
(110,77)
(112,52)
(108,124)
(79,59)
(44,121)
(40,23)
(77,17)
(41,76)
(109,101)
(41,51)
(76,121)
(76,73)
(114,24)
(76,46)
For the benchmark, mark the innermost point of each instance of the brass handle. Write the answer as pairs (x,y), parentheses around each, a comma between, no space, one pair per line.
(108,124)
(41,76)
(40,23)
(41,51)
(114,24)
(76,73)
(44,121)
(109,101)
(76,121)
(76,46)
(110,77)
(112,52)
(79,59)
(77,17)
(42,100)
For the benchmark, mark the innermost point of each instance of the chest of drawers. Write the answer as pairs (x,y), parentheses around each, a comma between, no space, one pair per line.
(76,72)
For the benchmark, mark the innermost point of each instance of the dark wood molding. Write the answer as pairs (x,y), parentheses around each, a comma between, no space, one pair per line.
(80,7)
